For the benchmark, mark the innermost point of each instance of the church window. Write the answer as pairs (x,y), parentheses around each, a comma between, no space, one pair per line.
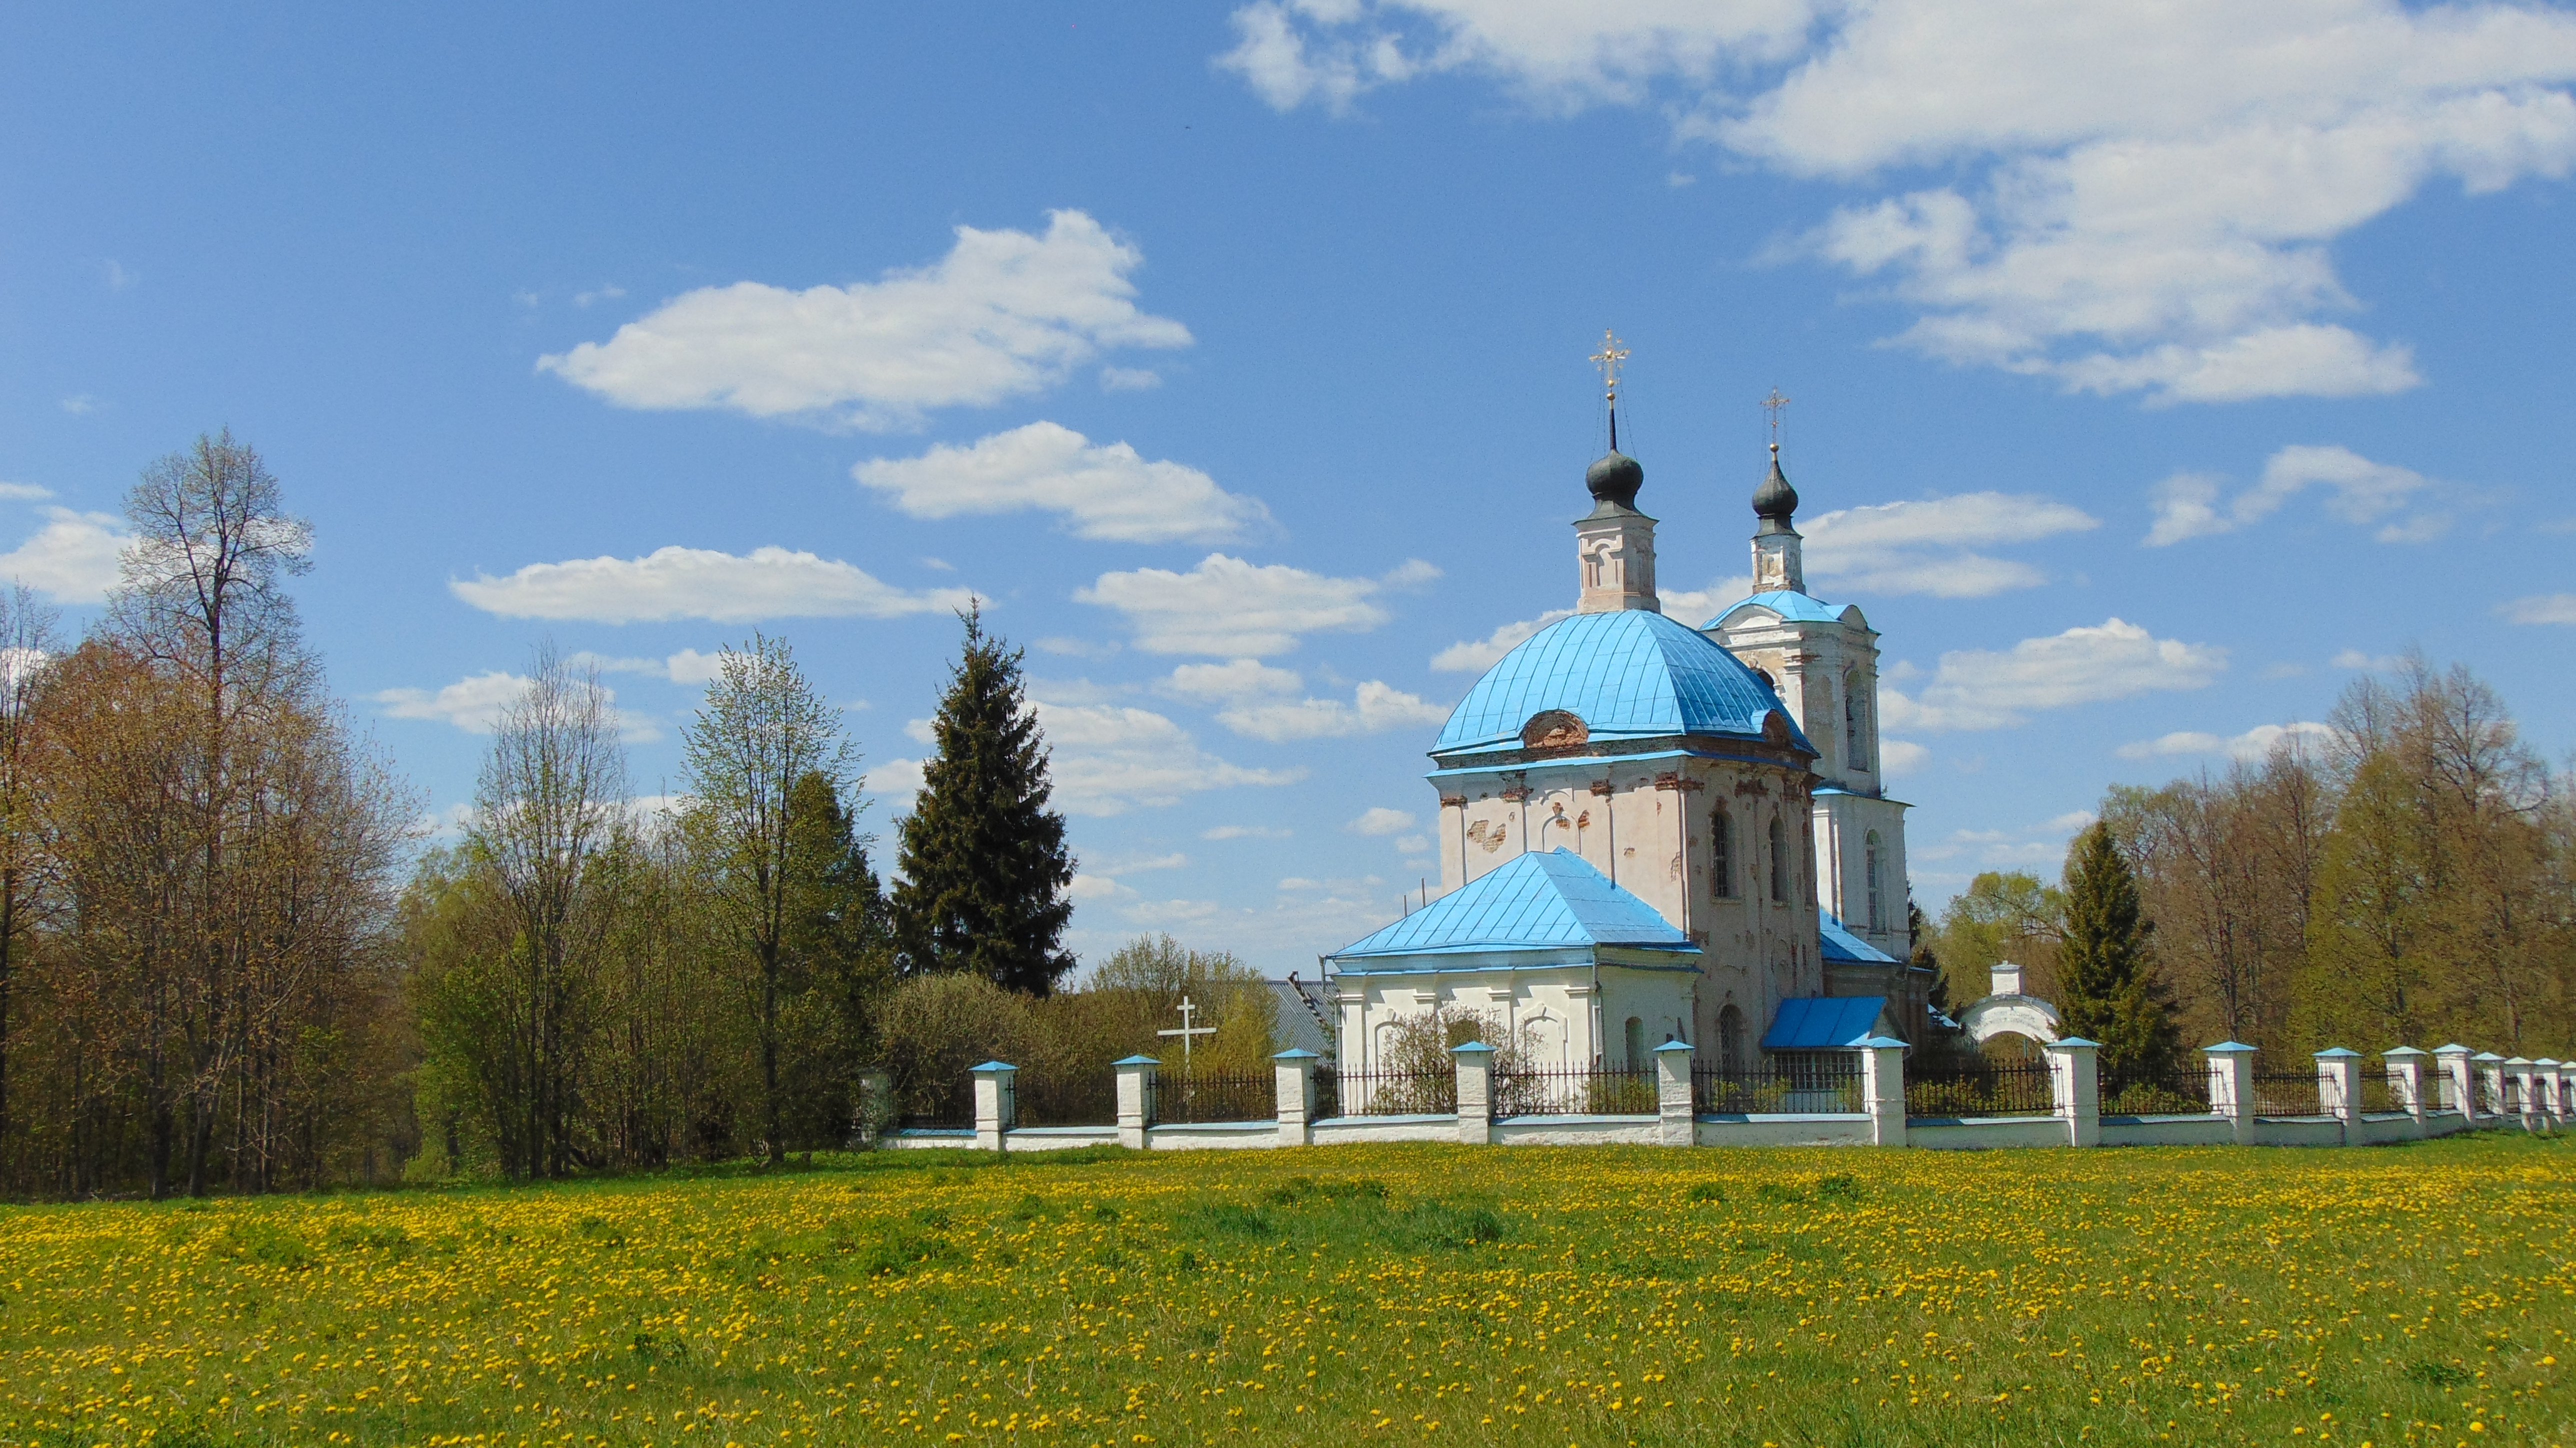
(1721,854)
(1779,861)
(1852,750)
(1869,874)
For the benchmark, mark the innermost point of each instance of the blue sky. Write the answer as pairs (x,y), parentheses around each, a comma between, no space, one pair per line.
(2150,376)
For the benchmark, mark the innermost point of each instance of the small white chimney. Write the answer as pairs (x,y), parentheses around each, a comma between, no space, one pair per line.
(2007,978)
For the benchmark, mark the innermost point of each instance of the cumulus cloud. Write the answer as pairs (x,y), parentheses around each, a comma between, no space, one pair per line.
(2541,608)
(1110,758)
(1262,702)
(2358,491)
(1234,609)
(73,558)
(2145,196)
(1104,492)
(688,666)
(898,781)
(1931,545)
(1898,758)
(1378,821)
(1695,606)
(1246,832)
(679,582)
(474,704)
(2369,663)
(1997,689)
(1005,313)
(1474,656)
(2254,744)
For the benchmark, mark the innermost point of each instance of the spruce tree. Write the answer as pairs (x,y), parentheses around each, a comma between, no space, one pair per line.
(2107,989)
(985,872)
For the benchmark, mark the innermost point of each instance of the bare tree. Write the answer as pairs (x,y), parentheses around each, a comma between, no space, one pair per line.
(762,729)
(27,645)
(552,799)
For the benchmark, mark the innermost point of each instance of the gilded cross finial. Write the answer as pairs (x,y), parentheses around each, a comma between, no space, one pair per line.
(1772,406)
(1608,360)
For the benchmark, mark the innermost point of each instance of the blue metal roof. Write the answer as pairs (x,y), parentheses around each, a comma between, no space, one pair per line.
(1840,944)
(1816,1023)
(1537,901)
(1630,674)
(1789,604)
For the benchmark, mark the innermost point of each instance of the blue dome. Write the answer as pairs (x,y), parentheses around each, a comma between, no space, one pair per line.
(1632,674)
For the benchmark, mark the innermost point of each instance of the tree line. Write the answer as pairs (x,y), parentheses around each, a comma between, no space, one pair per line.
(2405,875)
(231,960)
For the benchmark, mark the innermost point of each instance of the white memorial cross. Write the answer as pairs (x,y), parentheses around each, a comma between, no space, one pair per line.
(1186,1031)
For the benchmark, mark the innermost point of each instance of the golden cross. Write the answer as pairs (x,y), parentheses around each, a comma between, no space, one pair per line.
(1608,360)
(1771,407)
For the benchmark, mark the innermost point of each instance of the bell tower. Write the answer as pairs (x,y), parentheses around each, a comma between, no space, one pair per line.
(1614,545)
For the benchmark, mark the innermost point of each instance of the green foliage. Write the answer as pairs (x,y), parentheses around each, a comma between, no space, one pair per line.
(2001,916)
(2107,989)
(985,871)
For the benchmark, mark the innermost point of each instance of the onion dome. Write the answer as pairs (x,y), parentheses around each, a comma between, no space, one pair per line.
(1616,479)
(1775,500)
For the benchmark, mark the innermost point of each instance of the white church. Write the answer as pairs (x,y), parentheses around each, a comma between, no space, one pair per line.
(1651,831)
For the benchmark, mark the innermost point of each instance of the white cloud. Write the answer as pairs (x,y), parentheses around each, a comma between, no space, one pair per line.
(2254,744)
(474,704)
(1695,606)
(1109,759)
(1005,313)
(1474,656)
(24,492)
(72,559)
(1246,832)
(1231,608)
(1991,689)
(676,582)
(1261,702)
(1930,545)
(1414,845)
(1898,758)
(608,292)
(1129,379)
(81,404)
(1379,821)
(1105,492)
(2541,608)
(898,780)
(1091,889)
(2360,492)
(2371,663)
(688,666)
(2146,195)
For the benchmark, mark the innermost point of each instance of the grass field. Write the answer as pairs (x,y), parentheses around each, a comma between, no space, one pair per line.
(2416,1294)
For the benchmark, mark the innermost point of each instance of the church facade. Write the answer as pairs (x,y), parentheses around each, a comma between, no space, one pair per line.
(1650,831)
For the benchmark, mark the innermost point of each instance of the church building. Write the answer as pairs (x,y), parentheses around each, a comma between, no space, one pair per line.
(1651,831)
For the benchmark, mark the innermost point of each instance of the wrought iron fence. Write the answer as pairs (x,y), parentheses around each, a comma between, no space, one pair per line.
(1980,1086)
(1216,1096)
(2179,1090)
(1067,1098)
(936,1103)
(2286,1093)
(1385,1093)
(1796,1084)
(1575,1091)
(2378,1093)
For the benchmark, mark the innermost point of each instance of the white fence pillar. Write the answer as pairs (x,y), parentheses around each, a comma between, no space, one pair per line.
(1882,1093)
(2490,1083)
(2075,1078)
(2459,1086)
(2231,1086)
(997,1103)
(2406,1079)
(2339,1088)
(1294,1069)
(1136,1086)
(1475,1092)
(2552,1076)
(1679,1123)
(2521,1101)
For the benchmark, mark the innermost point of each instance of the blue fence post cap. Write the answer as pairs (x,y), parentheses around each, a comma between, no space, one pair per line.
(995,1066)
(2397,1051)
(2228,1048)
(1472,1048)
(1883,1043)
(2486,1056)
(2076,1041)
(2445,1050)
(2336,1053)
(1298,1053)
(1672,1046)
(1137,1061)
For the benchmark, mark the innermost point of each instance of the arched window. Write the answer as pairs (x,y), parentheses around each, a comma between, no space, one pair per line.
(1852,722)
(1779,860)
(1721,853)
(1869,874)
(1730,1041)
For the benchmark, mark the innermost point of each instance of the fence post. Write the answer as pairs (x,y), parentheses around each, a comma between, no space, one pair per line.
(2339,1087)
(2553,1089)
(1135,1098)
(875,1109)
(1680,1123)
(2406,1079)
(2231,1086)
(2459,1089)
(2490,1082)
(1882,1092)
(997,1103)
(1294,1069)
(2075,1079)
(1475,1092)
(2518,1092)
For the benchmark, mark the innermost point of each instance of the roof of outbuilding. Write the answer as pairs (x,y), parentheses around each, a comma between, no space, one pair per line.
(1817,1023)
(1629,674)
(1539,900)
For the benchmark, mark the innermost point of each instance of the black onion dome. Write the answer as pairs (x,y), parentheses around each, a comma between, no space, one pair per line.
(1615,479)
(1775,500)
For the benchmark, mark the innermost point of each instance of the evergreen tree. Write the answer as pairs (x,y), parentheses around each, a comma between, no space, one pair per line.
(985,872)
(2107,990)
(1918,934)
